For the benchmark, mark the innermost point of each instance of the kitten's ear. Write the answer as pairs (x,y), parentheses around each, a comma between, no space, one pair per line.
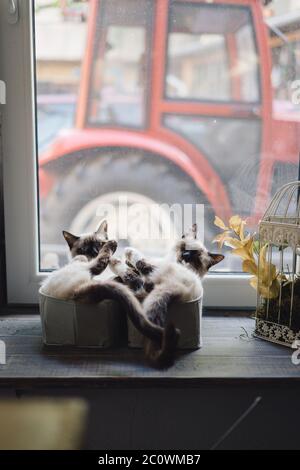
(102,229)
(70,238)
(215,258)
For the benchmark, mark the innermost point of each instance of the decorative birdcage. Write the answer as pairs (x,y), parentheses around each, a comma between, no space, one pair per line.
(278,283)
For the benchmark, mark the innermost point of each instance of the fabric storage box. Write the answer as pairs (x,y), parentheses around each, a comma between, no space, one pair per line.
(83,325)
(186,316)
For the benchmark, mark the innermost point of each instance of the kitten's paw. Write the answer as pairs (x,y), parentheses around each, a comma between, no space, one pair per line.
(132,255)
(114,261)
(143,267)
(111,245)
(107,250)
(128,253)
(149,286)
(105,260)
(133,280)
(115,265)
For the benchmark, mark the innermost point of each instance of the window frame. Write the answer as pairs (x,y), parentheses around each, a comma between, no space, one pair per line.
(19,155)
(20,172)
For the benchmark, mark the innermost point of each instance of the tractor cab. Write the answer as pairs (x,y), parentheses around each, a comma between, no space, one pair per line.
(196,54)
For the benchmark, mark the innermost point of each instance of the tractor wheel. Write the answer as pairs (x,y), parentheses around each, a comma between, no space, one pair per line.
(73,203)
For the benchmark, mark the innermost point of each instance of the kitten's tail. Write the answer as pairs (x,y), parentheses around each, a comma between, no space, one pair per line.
(156,307)
(94,292)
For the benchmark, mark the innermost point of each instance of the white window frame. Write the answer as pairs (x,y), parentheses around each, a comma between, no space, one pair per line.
(20,180)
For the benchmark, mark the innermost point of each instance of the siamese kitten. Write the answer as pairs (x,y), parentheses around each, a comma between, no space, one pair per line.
(176,277)
(91,254)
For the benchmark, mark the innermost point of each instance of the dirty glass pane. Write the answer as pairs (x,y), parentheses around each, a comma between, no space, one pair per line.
(119,70)
(211,54)
(130,113)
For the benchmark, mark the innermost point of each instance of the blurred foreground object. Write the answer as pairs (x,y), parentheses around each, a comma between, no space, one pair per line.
(41,424)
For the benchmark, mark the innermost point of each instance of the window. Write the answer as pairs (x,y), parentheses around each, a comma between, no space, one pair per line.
(140,101)
(211,54)
(285,47)
(217,139)
(120,64)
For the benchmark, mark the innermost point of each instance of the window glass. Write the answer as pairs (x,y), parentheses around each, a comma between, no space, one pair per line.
(211,54)
(285,53)
(100,66)
(119,73)
(220,141)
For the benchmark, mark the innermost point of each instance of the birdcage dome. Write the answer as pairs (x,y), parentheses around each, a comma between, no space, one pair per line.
(278,281)
(285,205)
(281,222)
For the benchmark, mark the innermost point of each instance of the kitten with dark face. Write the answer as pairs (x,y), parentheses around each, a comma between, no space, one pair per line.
(157,284)
(89,244)
(193,254)
(91,254)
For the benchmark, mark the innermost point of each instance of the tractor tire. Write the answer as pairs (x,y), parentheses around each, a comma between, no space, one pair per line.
(150,176)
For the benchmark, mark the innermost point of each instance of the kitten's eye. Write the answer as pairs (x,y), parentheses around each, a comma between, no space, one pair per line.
(189,255)
(186,255)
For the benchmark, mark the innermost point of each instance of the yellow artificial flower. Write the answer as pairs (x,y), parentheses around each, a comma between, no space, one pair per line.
(265,275)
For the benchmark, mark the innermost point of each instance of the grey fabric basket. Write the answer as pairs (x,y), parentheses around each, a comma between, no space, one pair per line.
(186,316)
(90,326)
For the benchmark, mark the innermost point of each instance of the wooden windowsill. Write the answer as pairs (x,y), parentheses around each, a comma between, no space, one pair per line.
(228,356)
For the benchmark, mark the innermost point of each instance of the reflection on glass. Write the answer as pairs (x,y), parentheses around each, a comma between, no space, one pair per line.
(120,64)
(176,114)
(221,140)
(212,54)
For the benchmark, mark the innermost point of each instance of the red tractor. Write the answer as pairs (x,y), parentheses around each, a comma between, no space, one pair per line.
(175,105)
